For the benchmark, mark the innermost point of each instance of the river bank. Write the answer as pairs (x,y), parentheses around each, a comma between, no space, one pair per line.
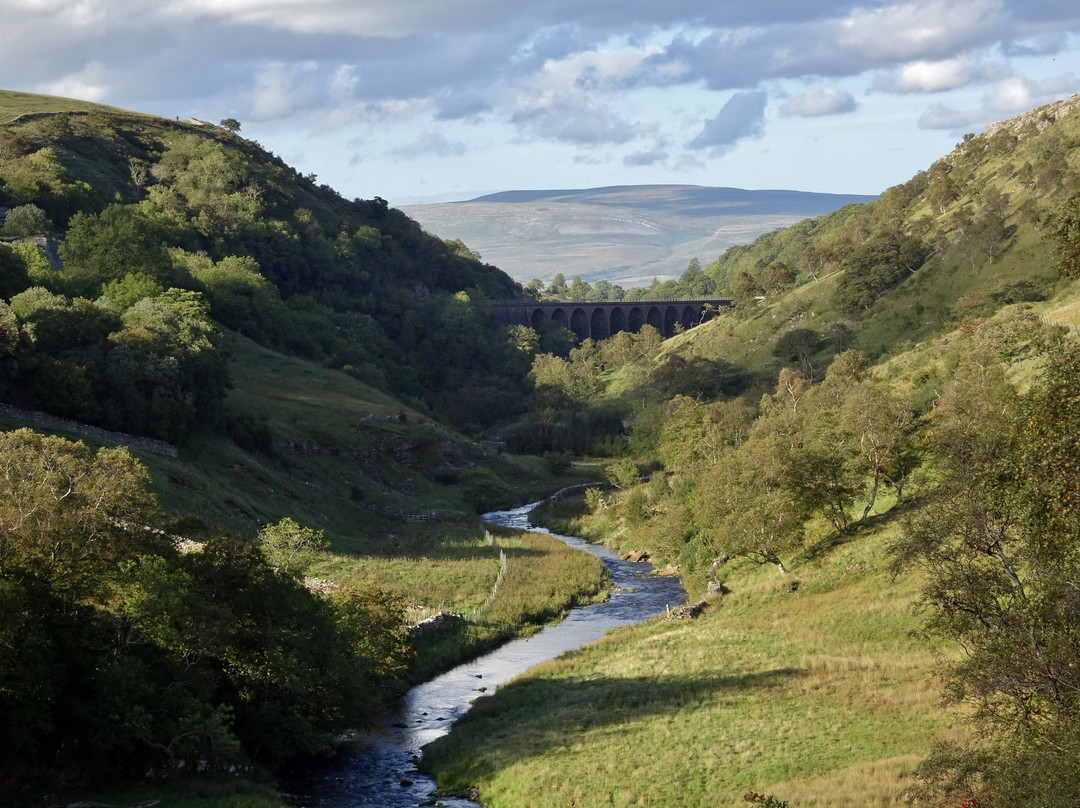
(380,767)
(810,686)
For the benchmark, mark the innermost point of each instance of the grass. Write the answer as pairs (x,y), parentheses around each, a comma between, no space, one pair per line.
(820,695)
(543,578)
(13,104)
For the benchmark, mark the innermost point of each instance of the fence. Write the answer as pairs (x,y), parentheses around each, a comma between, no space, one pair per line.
(428,615)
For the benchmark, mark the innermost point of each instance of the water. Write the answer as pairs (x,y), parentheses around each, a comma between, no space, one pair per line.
(379,769)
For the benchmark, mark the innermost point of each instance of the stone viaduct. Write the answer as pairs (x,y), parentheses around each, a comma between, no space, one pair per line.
(600,319)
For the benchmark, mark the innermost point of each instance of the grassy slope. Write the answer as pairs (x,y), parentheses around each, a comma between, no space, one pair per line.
(13,104)
(819,695)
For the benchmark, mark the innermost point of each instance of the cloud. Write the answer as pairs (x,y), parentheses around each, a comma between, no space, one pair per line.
(430,144)
(586,74)
(819,101)
(571,99)
(743,116)
(938,116)
(452,106)
(937,76)
(284,90)
(649,157)
(1008,97)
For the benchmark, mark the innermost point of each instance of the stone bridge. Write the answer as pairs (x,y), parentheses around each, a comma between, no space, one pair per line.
(600,319)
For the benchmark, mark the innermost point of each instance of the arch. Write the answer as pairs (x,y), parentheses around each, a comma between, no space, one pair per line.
(598,324)
(655,319)
(537,319)
(688,316)
(559,316)
(671,319)
(635,320)
(616,321)
(579,324)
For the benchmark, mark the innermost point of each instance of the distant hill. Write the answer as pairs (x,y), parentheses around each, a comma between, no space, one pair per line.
(626,234)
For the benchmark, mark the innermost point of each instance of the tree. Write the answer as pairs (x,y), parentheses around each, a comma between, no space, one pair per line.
(290,548)
(26,220)
(557,288)
(880,430)
(777,276)
(1065,231)
(876,265)
(997,539)
(121,240)
(230,124)
(68,515)
(745,507)
(579,290)
(70,518)
(695,434)
(798,345)
(534,289)
(745,289)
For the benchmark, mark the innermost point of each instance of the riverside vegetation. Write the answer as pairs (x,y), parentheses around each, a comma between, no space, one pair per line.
(887,417)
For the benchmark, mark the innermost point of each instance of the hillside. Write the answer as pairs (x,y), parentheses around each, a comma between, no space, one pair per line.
(626,235)
(888,420)
(887,412)
(353,284)
(231,480)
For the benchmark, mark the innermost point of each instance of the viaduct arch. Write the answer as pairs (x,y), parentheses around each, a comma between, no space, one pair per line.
(601,319)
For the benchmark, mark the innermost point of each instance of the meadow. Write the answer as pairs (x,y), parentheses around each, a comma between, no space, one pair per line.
(810,686)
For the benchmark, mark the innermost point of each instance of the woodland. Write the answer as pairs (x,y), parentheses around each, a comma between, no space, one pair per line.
(887,416)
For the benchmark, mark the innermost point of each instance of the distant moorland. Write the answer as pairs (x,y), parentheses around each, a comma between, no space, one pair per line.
(626,235)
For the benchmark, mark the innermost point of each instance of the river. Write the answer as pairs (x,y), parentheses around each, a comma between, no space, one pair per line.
(378,770)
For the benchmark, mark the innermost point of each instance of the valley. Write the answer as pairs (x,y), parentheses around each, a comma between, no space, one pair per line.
(862,472)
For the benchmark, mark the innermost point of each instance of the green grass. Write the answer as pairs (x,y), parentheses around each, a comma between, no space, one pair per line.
(13,104)
(820,695)
(543,578)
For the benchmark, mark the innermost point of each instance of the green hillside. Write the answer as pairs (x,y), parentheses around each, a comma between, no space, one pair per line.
(888,417)
(888,414)
(247,479)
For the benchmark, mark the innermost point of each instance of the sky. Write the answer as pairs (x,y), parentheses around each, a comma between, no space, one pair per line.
(442,100)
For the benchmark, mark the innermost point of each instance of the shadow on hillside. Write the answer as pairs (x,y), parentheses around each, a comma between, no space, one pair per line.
(530,717)
(822,547)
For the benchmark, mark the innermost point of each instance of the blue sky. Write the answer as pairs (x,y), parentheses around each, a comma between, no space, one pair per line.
(437,100)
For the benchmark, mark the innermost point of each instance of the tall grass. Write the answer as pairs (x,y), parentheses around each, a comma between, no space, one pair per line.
(544,578)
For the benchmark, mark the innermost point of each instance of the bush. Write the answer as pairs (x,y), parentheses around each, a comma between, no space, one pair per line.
(26,220)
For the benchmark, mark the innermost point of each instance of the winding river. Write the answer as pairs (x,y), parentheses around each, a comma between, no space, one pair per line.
(379,769)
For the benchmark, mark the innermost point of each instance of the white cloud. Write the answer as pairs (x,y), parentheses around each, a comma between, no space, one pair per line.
(937,76)
(919,29)
(819,101)
(373,18)
(571,99)
(1008,97)
(283,90)
(90,84)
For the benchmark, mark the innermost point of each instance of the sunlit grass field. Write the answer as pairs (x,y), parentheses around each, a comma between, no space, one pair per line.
(13,104)
(811,687)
